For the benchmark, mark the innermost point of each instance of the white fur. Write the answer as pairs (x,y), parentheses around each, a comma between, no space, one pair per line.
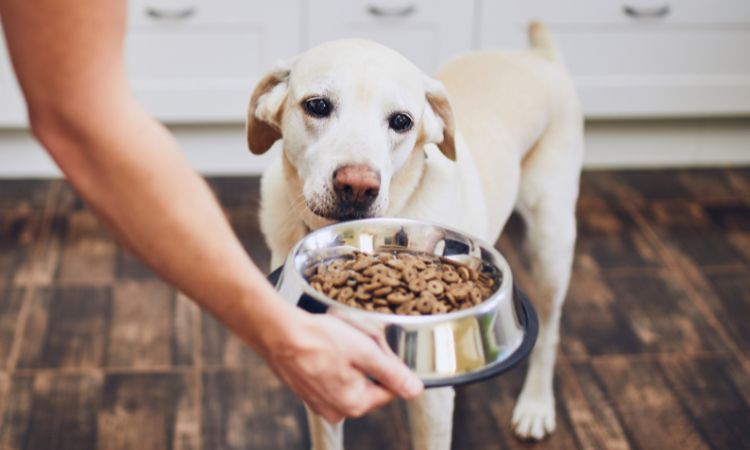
(521,148)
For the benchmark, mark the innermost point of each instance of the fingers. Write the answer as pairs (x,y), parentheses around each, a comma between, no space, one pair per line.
(352,403)
(390,372)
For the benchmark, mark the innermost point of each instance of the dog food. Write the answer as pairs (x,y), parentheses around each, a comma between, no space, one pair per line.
(400,282)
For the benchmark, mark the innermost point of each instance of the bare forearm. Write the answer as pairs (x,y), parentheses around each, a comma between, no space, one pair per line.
(68,57)
(130,171)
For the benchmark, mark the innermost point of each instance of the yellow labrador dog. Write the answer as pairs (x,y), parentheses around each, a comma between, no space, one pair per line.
(365,133)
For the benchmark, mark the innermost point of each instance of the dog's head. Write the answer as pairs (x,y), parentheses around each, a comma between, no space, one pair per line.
(351,114)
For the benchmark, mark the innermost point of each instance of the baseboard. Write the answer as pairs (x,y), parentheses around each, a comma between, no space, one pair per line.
(217,150)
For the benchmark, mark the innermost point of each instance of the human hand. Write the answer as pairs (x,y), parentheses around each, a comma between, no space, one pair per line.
(326,361)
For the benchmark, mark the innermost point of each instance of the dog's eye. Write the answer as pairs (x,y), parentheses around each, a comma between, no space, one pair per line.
(400,122)
(318,107)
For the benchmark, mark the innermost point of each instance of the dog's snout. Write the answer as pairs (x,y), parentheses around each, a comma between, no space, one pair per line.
(356,185)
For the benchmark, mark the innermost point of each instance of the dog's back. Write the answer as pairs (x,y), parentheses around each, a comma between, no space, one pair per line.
(503,102)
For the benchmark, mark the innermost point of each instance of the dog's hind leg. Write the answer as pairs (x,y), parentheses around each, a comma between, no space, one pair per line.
(547,199)
(431,419)
(323,435)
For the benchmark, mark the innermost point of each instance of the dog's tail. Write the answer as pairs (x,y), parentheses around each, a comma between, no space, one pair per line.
(542,42)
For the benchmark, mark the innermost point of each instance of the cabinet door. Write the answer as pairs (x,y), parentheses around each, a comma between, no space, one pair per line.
(641,58)
(12,106)
(426,31)
(197,60)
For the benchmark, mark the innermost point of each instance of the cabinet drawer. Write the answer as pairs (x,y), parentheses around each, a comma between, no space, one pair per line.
(624,12)
(693,63)
(147,13)
(201,65)
(427,32)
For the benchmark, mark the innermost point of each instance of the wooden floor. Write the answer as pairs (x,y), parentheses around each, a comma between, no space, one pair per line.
(96,353)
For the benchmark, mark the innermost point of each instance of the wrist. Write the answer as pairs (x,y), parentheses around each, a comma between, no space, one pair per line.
(261,318)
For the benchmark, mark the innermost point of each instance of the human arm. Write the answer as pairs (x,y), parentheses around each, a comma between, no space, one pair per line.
(68,55)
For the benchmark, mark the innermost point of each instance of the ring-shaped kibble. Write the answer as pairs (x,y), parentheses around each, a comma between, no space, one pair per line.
(345,293)
(388,282)
(424,305)
(398,298)
(429,273)
(476,296)
(450,276)
(439,308)
(385,290)
(436,287)
(336,265)
(417,285)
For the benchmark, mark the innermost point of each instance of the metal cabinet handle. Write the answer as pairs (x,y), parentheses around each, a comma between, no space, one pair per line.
(648,13)
(379,11)
(171,14)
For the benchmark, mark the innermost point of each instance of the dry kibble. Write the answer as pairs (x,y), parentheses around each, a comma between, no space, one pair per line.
(450,276)
(418,284)
(435,287)
(400,282)
(424,305)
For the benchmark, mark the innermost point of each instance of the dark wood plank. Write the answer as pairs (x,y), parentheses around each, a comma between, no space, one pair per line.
(711,399)
(88,254)
(18,234)
(149,327)
(67,328)
(11,299)
(250,409)
(593,321)
(24,195)
(593,418)
(387,427)
(651,413)
(246,226)
(148,411)
(221,347)
(49,411)
(730,303)
(128,266)
(709,185)
(701,232)
(661,313)
(482,418)
(237,192)
(609,236)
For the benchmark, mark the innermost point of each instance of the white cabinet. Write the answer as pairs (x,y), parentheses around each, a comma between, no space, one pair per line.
(197,60)
(426,31)
(636,58)
(12,107)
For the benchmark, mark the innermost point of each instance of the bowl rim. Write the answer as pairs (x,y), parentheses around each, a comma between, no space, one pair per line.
(504,292)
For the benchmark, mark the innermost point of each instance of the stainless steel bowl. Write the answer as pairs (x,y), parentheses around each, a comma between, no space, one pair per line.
(445,349)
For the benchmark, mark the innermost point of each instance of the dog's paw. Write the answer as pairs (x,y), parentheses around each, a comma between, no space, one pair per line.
(534,418)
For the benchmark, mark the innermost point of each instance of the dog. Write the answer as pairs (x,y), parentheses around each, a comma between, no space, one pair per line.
(365,133)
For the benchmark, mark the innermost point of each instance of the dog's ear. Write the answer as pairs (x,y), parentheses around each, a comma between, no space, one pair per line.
(263,126)
(437,121)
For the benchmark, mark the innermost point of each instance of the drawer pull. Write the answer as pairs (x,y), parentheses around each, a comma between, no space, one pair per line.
(379,11)
(646,13)
(171,14)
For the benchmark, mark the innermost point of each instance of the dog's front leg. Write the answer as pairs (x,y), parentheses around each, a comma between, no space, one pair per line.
(323,435)
(431,419)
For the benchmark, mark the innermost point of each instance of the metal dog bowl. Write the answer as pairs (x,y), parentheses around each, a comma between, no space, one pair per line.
(444,349)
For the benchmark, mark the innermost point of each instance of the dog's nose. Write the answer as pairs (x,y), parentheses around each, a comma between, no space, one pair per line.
(356,185)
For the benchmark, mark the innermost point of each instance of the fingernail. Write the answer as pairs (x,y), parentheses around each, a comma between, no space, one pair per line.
(413,385)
